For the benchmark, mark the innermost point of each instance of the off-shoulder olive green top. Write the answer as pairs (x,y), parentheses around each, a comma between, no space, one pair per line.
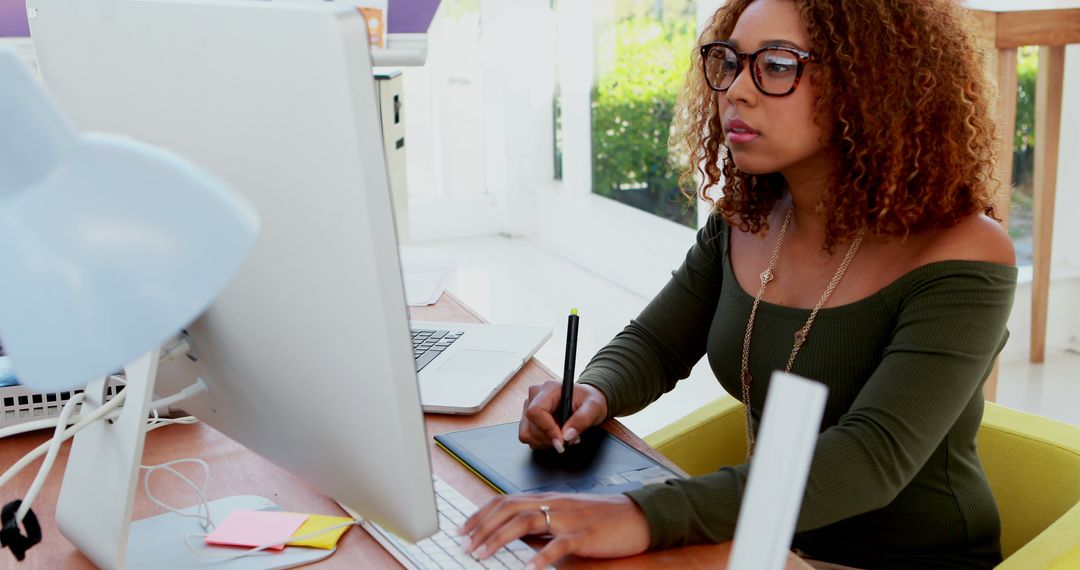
(895,480)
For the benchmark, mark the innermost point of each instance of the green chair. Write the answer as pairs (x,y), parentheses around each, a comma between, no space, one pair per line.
(1032,463)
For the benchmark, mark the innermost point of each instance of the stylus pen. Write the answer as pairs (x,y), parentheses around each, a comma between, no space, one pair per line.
(567,401)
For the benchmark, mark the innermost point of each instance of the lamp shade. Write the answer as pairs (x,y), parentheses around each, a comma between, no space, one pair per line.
(109,246)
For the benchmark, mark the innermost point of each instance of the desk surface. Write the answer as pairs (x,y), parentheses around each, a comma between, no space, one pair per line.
(235,470)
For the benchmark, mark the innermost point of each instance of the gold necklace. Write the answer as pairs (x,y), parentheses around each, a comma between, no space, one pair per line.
(801,334)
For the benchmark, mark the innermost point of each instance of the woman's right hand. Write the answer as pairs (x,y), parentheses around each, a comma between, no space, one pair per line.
(538,427)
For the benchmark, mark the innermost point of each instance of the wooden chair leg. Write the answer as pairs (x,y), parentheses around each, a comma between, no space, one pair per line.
(1048,95)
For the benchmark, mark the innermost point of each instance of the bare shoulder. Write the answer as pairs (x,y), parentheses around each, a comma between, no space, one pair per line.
(975,238)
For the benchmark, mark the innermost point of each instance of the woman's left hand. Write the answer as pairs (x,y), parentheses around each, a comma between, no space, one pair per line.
(596,526)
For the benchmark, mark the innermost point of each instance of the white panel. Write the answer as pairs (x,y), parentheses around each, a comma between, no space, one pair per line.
(774,490)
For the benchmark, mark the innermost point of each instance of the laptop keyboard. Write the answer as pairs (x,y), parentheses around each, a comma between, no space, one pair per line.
(428,344)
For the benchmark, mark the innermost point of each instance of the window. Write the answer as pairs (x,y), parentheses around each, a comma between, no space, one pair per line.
(642,52)
(1021,217)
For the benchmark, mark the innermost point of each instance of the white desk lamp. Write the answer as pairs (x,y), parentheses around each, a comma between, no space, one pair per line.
(110,247)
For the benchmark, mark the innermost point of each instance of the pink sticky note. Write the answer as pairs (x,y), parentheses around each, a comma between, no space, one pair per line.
(256,528)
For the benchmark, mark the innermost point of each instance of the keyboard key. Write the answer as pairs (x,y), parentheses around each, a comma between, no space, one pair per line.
(428,344)
(443,550)
(425,359)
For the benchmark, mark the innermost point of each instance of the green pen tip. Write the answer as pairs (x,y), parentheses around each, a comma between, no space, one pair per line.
(573,311)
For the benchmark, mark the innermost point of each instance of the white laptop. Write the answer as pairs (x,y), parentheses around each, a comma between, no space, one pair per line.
(461,366)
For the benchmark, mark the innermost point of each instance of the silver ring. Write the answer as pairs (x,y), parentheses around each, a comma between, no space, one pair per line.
(547,516)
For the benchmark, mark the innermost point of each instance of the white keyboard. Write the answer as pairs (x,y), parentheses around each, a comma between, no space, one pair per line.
(444,548)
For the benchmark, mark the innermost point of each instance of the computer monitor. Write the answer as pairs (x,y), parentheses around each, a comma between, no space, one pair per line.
(306,354)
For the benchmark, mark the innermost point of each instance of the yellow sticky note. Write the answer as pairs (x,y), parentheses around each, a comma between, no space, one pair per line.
(315,523)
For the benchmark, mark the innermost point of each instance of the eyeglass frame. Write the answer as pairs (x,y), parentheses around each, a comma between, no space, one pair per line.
(741,57)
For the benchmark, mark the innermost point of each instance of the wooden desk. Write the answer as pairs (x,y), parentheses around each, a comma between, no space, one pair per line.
(235,470)
(1050,24)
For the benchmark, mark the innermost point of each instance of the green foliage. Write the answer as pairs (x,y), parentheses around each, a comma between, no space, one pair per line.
(1020,217)
(1027,68)
(455,9)
(656,9)
(632,108)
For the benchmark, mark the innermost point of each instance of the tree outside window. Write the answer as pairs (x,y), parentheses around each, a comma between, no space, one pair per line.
(643,53)
(1023,180)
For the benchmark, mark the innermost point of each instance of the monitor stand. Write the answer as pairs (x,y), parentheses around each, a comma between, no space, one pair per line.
(97,495)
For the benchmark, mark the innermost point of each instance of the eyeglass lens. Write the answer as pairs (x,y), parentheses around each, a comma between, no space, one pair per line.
(775,70)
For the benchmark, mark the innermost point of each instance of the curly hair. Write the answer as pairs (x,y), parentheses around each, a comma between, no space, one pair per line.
(903,101)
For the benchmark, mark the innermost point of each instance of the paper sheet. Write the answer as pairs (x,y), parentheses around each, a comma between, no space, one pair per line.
(424,271)
(256,528)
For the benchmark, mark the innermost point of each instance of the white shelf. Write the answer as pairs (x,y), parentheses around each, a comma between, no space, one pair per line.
(401,50)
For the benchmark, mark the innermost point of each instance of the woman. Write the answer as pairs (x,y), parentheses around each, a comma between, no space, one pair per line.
(855,148)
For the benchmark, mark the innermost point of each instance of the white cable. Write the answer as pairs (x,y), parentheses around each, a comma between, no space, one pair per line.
(193,389)
(64,436)
(29,426)
(63,433)
(197,387)
(230,556)
(180,346)
(190,391)
(45,423)
(48,423)
(157,421)
(108,409)
(50,458)
(186,420)
(203,513)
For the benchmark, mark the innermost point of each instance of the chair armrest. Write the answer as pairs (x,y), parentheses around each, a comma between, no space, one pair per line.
(1033,466)
(1056,548)
(706,439)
